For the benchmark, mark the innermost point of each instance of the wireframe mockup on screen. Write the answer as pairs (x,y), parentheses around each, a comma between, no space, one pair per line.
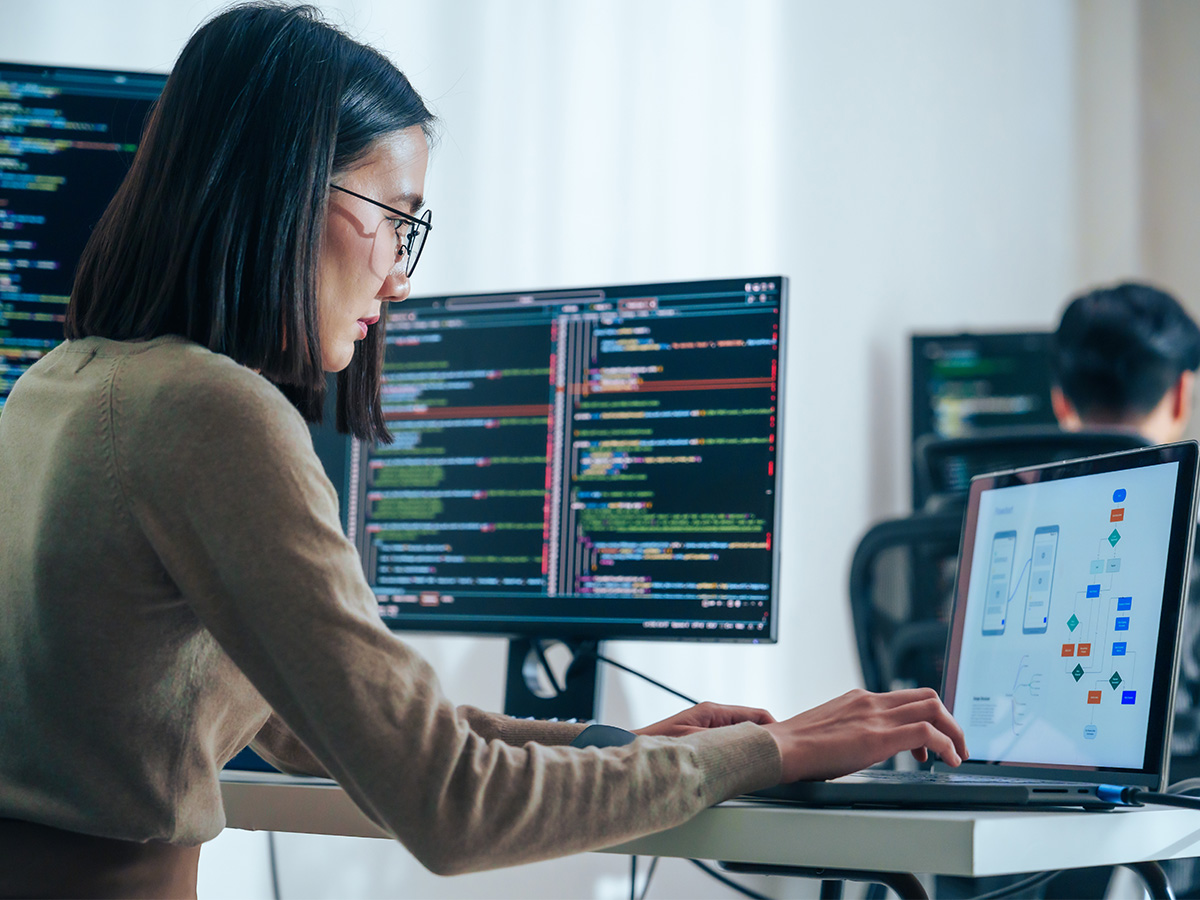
(598,462)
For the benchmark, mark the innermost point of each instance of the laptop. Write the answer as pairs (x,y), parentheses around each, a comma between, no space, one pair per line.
(1064,639)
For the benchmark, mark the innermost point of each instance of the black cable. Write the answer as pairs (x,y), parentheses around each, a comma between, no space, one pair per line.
(540,652)
(1134,796)
(1157,799)
(659,684)
(633,891)
(649,875)
(271,854)
(729,882)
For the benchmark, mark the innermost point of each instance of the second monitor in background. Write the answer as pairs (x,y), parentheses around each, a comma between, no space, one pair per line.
(580,464)
(964,384)
(970,381)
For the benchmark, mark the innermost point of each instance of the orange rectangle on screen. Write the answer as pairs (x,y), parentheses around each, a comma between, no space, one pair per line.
(1068,649)
(1093,696)
(1118,515)
(1085,649)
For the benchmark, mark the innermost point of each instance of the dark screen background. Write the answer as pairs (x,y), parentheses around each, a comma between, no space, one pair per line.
(600,462)
(67,137)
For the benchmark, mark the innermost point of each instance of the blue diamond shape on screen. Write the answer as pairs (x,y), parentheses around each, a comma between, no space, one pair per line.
(1077,671)
(1072,622)
(1114,537)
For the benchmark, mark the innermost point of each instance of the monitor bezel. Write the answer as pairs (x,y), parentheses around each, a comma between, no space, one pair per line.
(574,631)
(77,77)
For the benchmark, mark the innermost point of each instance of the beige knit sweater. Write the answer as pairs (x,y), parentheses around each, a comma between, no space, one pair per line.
(172,570)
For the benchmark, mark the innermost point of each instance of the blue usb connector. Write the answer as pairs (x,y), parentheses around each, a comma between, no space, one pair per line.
(1115,793)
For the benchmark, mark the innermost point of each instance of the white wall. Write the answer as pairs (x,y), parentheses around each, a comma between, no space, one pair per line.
(1170,128)
(1108,113)
(910,166)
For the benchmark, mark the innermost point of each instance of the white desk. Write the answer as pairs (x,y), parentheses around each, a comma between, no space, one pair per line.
(972,843)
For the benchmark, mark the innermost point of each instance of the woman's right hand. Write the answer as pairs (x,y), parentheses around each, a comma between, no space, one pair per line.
(859,729)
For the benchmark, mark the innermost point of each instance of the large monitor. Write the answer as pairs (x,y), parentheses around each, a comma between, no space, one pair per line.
(579,464)
(67,137)
(592,463)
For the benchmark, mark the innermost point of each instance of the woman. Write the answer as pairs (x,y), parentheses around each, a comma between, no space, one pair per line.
(174,582)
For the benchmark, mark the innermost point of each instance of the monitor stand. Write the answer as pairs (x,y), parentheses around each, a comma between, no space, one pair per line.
(533,690)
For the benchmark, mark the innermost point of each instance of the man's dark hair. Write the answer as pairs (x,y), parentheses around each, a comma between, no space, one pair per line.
(1119,349)
(216,232)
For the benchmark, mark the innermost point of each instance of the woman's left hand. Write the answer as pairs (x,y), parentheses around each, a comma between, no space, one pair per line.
(705,715)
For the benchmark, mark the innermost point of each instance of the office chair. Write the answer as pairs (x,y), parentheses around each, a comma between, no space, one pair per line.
(943,467)
(901,581)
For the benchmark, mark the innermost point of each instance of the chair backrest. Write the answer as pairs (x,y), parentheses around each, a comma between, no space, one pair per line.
(901,585)
(943,467)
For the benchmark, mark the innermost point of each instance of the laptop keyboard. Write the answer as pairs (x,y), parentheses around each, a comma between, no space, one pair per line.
(926,777)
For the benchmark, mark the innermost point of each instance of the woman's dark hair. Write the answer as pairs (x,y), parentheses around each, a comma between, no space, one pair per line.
(1119,349)
(216,231)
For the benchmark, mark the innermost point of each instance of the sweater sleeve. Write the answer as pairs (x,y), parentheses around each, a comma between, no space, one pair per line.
(492,726)
(276,743)
(219,473)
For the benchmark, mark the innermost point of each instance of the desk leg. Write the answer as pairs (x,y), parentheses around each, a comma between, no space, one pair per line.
(1154,878)
(904,884)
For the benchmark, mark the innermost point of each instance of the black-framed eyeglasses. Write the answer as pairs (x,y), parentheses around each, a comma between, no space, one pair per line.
(411,231)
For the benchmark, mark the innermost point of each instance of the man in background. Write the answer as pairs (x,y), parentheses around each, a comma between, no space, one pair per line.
(1125,357)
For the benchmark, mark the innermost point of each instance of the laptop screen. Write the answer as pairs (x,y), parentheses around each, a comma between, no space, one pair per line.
(1063,648)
